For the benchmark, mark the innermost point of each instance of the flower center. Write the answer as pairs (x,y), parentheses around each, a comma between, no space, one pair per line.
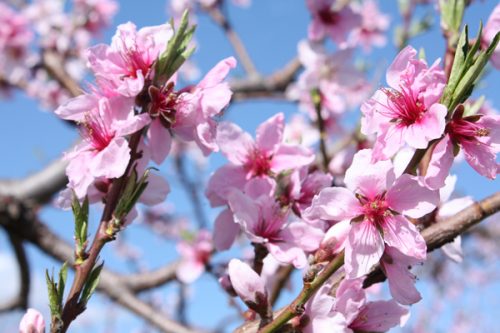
(95,131)
(375,209)
(328,16)
(258,163)
(405,108)
(463,129)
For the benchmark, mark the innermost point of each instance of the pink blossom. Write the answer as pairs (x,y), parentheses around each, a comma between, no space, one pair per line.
(376,203)
(104,151)
(264,221)
(195,254)
(32,322)
(125,64)
(339,84)
(372,30)
(97,13)
(264,157)
(247,283)
(401,281)
(189,113)
(329,21)
(408,111)
(491,28)
(479,138)
(349,311)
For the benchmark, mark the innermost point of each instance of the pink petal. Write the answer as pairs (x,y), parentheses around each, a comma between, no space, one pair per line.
(215,99)
(160,141)
(189,270)
(217,74)
(401,280)
(334,203)
(205,136)
(453,250)
(269,134)
(225,230)
(482,158)
(246,282)
(32,322)
(303,235)
(75,108)
(389,141)
(336,237)
(369,179)
(363,250)
(245,211)
(399,65)
(288,253)
(404,236)
(289,157)
(409,197)
(440,164)
(380,316)
(112,161)
(234,143)
(222,181)
(157,190)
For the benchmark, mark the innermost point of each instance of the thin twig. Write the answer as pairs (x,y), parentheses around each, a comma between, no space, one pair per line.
(220,19)
(21,300)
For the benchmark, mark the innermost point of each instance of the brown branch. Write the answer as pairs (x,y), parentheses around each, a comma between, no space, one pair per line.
(271,86)
(220,19)
(435,236)
(21,300)
(443,232)
(282,277)
(152,279)
(54,65)
(38,187)
(192,189)
(27,227)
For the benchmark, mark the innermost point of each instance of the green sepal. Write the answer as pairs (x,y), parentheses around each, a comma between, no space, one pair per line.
(176,52)
(91,284)
(81,215)
(472,109)
(56,291)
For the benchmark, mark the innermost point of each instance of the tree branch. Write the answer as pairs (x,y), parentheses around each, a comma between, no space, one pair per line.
(271,86)
(21,300)
(38,187)
(220,19)
(435,236)
(27,227)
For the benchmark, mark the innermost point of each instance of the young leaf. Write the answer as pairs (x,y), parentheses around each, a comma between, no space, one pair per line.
(91,284)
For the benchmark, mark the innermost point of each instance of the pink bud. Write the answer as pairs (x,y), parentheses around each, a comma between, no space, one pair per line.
(32,322)
(246,282)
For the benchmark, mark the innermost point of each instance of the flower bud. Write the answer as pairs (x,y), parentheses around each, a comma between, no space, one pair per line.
(32,322)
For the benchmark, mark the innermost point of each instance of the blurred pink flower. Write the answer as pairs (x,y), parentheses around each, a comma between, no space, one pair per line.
(32,322)
(491,28)
(195,255)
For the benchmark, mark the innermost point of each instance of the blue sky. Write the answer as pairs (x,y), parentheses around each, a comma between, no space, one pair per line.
(30,137)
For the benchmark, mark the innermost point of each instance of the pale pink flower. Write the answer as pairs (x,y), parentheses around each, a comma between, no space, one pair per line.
(264,157)
(189,113)
(491,28)
(32,322)
(374,24)
(408,111)
(376,203)
(339,83)
(96,14)
(479,138)
(396,267)
(104,151)
(126,63)
(349,311)
(195,255)
(249,285)
(264,221)
(328,21)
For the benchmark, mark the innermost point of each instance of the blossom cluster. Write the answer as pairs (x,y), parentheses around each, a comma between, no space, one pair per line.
(366,204)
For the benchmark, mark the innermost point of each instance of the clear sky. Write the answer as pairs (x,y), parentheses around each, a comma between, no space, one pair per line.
(30,138)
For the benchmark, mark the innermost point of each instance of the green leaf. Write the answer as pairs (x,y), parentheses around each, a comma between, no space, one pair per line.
(452,12)
(458,67)
(91,284)
(54,303)
(63,274)
(81,214)
(472,109)
(176,52)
